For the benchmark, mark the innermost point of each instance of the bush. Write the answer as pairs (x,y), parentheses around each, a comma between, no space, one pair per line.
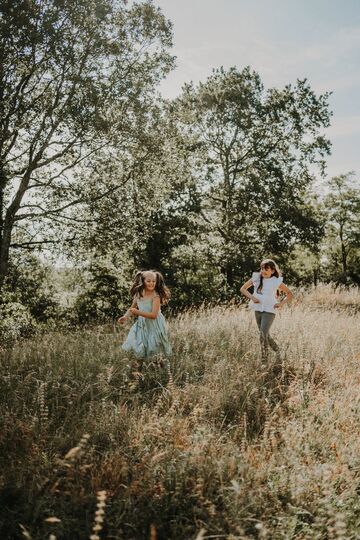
(27,300)
(30,283)
(105,294)
(16,322)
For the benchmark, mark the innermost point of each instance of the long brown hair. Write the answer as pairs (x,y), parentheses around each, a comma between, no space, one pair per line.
(138,286)
(268,263)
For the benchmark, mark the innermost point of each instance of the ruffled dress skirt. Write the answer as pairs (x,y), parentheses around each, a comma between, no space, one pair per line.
(148,337)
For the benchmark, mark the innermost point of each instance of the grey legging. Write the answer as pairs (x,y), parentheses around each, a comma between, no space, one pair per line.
(264,321)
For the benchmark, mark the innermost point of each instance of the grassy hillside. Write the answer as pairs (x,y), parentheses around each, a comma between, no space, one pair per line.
(210,446)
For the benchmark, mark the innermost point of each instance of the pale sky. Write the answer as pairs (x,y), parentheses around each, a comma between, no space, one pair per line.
(283,40)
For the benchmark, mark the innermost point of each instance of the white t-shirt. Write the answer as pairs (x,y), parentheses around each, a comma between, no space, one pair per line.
(267,295)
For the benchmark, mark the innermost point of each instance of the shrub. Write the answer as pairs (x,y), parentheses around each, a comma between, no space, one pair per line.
(16,322)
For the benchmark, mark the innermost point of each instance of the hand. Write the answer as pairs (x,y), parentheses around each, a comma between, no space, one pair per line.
(122,319)
(133,311)
(255,300)
(278,305)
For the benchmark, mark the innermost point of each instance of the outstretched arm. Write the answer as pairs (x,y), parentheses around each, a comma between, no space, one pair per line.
(245,292)
(288,296)
(153,314)
(128,314)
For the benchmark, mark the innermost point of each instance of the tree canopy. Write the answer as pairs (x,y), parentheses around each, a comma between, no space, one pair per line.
(75,79)
(257,151)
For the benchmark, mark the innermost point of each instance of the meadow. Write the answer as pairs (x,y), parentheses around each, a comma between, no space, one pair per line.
(210,445)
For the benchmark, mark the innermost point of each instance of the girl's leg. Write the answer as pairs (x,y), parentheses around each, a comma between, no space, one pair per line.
(259,317)
(275,347)
(266,322)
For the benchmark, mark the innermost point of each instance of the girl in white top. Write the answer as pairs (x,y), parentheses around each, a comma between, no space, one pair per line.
(264,301)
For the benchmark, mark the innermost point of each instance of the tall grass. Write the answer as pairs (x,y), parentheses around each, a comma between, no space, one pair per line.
(211,445)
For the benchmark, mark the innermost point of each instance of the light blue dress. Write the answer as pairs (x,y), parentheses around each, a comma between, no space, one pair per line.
(148,336)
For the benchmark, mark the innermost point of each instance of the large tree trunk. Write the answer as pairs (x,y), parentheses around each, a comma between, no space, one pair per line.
(5,239)
(7,224)
(3,267)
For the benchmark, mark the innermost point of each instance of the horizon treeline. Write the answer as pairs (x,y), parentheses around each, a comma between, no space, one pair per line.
(98,170)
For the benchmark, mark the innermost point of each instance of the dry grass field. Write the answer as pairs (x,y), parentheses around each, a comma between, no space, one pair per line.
(209,446)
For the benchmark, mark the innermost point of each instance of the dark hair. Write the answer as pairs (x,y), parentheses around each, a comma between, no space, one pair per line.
(138,286)
(268,263)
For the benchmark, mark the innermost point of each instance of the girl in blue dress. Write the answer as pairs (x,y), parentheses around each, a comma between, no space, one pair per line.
(149,335)
(265,302)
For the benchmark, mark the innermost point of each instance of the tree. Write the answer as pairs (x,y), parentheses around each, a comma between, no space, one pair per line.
(342,207)
(256,153)
(74,76)
(156,214)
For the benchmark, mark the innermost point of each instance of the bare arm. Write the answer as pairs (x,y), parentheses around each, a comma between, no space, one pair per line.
(288,295)
(153,314)
(122,319)
(245,292)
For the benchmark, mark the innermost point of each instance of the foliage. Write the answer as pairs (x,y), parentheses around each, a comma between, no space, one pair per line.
(104,295)
(342,248)
(255,153)
(304,267)
(28,302)
(220,192)
(155,216)
(30,283)
(16,322)
(76,78)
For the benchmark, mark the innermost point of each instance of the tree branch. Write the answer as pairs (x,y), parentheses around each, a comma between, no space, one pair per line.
(72,203)
(31,244)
